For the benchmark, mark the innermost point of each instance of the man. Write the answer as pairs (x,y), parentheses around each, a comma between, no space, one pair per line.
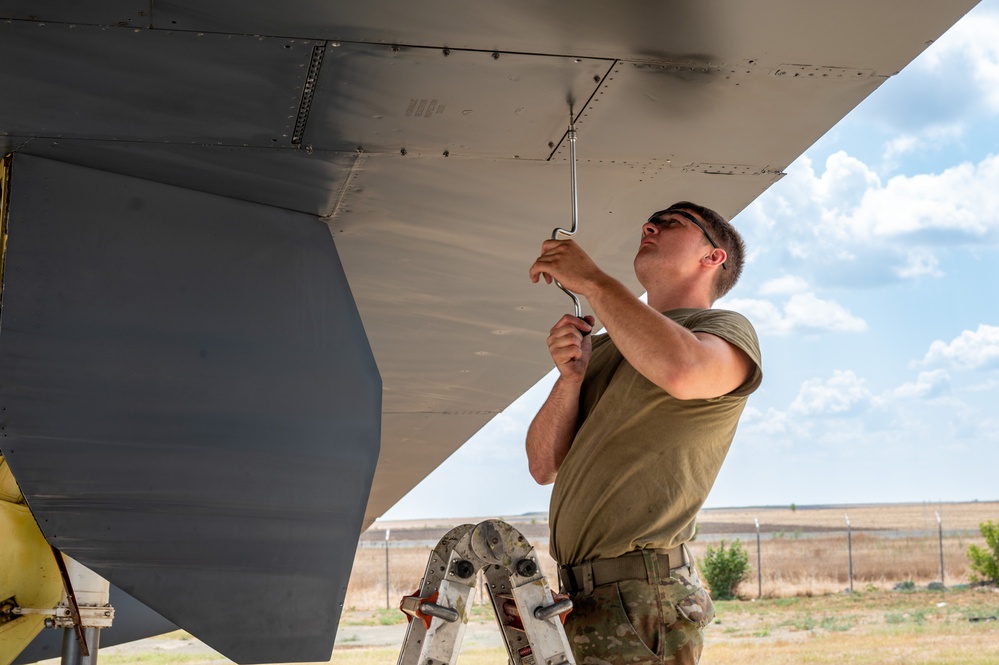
(635,430)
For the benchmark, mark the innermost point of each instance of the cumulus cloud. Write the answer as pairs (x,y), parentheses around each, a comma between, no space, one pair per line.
(919,263)
(784,285)
(842,224)
(802,312)
(970,350)
(974,42)
(927,385)
(840,394)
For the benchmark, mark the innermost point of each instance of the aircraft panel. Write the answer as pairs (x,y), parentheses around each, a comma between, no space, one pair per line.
(718,118)
(387,99)
(190,406)
(292,178)
(846,33)
(96,82)
(125,13)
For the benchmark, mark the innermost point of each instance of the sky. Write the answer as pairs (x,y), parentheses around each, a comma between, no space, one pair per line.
(872,282)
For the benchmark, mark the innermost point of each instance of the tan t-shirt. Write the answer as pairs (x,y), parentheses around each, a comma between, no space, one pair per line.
(642,463)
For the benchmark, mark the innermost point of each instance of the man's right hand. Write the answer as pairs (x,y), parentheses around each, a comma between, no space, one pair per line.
(569,348)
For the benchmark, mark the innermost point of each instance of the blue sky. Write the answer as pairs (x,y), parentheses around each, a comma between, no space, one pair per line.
(872,281)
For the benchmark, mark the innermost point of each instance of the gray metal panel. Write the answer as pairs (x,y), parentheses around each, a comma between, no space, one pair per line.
(132,621)
(718,118)
(297,179)
(149,85)
(884,35)
(190,405)
(386,99)
(133,13)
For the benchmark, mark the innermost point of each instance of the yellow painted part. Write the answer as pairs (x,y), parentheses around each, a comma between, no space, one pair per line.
(28,570)
(5,163)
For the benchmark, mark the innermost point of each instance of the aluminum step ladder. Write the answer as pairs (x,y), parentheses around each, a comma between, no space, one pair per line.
(529,615)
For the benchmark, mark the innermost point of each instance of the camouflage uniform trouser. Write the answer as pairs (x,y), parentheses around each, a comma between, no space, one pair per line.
(640,622)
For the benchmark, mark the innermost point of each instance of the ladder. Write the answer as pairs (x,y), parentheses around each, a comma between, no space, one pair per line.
(529,615)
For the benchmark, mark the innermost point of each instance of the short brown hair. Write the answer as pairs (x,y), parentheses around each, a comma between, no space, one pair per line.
(728,239)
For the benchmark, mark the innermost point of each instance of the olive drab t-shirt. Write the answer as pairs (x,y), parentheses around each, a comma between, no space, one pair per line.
(642,463)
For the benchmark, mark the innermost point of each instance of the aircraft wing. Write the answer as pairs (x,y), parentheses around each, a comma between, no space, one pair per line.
(261,258)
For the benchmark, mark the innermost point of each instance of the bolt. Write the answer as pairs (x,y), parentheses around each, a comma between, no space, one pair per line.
(464,569)
(495,55)
(403,152)
(526,568)
(446,52)
(596,79)
(551,144)
(447,153)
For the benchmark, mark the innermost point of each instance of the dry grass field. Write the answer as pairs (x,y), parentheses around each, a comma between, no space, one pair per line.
(804,552)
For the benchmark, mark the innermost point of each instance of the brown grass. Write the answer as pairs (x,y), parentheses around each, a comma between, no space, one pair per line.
(797,558)
(896,517)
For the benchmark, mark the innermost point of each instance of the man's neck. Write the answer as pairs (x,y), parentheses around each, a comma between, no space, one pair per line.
(664,300)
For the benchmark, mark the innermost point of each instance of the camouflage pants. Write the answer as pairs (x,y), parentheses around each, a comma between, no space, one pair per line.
(636,622)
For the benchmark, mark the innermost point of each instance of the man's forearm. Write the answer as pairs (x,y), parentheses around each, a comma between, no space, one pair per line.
(552,431)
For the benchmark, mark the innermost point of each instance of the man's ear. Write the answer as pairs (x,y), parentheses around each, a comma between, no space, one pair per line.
(716,257)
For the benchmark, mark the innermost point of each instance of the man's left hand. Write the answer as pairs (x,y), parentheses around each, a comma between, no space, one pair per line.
(566,262)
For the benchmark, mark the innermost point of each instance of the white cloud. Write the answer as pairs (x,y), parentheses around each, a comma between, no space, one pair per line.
(969,350)
(926,386)
(838,395)
(850,228)
(901,145)
(784,285)
(919,263)
(974,41)
(802,312)
(961,201)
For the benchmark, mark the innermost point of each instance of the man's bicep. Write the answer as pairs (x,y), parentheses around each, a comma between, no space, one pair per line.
(726,366)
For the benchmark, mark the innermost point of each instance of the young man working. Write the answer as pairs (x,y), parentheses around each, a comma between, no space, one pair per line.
(635,430)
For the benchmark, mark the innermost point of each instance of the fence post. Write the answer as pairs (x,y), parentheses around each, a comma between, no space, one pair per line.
(849,548)
(940,540)
(387,532)
(759,562)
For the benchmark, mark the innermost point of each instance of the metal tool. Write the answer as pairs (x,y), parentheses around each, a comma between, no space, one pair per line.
(563,234)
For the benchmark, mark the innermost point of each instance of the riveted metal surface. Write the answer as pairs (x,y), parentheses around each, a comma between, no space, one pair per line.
(386,100)
(129,13)
(290,178)
(149,85)
(208,353)
(849,33)
(742,115)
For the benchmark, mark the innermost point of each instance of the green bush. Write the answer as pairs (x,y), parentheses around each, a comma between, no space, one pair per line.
(725,568)
(985,561)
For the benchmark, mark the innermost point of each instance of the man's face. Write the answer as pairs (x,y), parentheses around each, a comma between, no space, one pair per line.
(674,228)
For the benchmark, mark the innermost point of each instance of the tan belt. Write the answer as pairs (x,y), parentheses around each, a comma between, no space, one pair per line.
(650,565)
